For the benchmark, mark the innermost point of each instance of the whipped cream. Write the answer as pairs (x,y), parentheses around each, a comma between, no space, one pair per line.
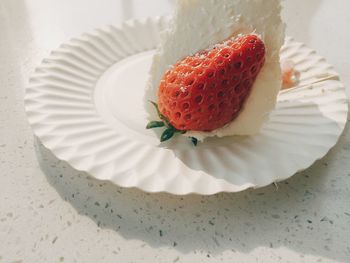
(199,24)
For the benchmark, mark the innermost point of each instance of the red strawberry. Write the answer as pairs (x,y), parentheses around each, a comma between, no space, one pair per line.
(206,91)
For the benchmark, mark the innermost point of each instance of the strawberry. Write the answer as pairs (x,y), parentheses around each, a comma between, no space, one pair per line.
(207,90)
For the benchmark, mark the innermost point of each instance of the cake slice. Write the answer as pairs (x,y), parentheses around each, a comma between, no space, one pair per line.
(198,28)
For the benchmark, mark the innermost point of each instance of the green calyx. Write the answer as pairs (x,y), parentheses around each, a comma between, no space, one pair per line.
(194,141)
(155,124)
(167,134)
(170,130)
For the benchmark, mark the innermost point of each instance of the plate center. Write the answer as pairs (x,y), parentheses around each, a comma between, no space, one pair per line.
(119,94)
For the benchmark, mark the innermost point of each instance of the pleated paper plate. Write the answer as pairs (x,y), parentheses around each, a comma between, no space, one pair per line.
(85,104)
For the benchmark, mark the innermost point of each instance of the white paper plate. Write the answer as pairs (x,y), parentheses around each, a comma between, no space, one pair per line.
(84,103)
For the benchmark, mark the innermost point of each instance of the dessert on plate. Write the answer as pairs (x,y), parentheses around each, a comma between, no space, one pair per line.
(217,70)
(216,73)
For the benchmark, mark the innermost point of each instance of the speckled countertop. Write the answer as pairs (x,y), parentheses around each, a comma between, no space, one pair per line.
(52,213)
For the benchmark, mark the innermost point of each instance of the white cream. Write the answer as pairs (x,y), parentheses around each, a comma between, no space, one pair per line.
(197,25)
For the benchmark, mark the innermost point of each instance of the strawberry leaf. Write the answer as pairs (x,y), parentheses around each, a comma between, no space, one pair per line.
(156,106)
(194,141)
(167,134)
(160,115)
(170,130)
(155,124)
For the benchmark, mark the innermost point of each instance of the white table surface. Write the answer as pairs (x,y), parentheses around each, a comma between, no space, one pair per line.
(62,216)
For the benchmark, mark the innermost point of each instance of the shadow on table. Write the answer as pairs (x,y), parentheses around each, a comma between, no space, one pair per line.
(301,214)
